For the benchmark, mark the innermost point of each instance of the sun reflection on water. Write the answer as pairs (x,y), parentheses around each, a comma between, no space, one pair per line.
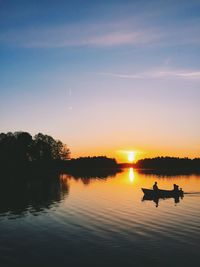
(131,175)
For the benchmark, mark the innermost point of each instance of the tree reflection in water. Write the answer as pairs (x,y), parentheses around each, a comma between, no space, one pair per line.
(36,193)
(86,175)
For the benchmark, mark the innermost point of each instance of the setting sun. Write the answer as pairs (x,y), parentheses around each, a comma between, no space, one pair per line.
(131,156)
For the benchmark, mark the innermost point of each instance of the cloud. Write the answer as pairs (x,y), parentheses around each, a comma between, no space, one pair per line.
(134,30)
(160,74)
(123,76)
(180,74)
(86,34)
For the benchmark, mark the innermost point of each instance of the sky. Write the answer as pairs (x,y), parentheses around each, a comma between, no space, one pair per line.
(104,77)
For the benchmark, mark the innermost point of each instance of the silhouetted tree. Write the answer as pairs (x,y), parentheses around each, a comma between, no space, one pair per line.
(23,146)
(87,167)
(47,148)
(20,147)
(169,163)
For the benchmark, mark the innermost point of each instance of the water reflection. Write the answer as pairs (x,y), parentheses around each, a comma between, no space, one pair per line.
(167,173)
(131,175)
(19,195)
(104,222)
(157,199)
(36,193)
(85,173)
(39,192)
(86,176)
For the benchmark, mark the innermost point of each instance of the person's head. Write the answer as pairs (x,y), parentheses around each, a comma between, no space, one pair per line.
(155,182)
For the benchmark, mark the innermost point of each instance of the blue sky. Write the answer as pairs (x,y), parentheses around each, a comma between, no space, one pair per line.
(103,76)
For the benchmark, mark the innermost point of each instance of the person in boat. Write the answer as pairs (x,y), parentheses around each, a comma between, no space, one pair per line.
(176,188)
(155,186)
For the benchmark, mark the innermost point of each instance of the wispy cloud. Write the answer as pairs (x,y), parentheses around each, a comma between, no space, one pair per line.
(162,74)
(100,34)
(180,74)
(123,76)
(135,30)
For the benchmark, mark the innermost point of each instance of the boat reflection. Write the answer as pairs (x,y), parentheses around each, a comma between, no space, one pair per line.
(156,199)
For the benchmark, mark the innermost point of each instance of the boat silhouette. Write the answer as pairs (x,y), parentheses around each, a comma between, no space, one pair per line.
(162,193)
(156,195)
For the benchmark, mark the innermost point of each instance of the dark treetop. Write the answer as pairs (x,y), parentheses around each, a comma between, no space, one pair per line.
(20,147)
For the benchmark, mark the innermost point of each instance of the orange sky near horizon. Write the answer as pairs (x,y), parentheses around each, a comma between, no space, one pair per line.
(151,122)
(122,155)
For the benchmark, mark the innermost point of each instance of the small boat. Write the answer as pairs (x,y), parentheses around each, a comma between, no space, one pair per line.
(162,193)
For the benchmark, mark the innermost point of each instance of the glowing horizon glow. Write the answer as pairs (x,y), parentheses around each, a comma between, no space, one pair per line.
(129,155)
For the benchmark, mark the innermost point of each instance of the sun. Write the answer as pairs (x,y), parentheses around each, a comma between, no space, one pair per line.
(131,156)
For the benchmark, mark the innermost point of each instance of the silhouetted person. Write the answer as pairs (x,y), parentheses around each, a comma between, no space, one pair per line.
(155,187)
(176,188)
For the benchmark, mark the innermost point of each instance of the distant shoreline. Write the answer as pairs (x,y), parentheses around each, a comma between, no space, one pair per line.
(165,165)
(78,169)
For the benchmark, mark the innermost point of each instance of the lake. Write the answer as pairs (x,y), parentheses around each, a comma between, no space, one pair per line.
(67,221)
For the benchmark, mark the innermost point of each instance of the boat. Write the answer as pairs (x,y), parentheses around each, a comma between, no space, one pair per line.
(162,193)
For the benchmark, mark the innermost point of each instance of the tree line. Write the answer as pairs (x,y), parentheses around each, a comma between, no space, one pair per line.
(94,162)
(169,163)
(43,152)
(21,147)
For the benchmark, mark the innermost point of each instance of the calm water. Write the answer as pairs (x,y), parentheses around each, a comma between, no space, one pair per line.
(98,222)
